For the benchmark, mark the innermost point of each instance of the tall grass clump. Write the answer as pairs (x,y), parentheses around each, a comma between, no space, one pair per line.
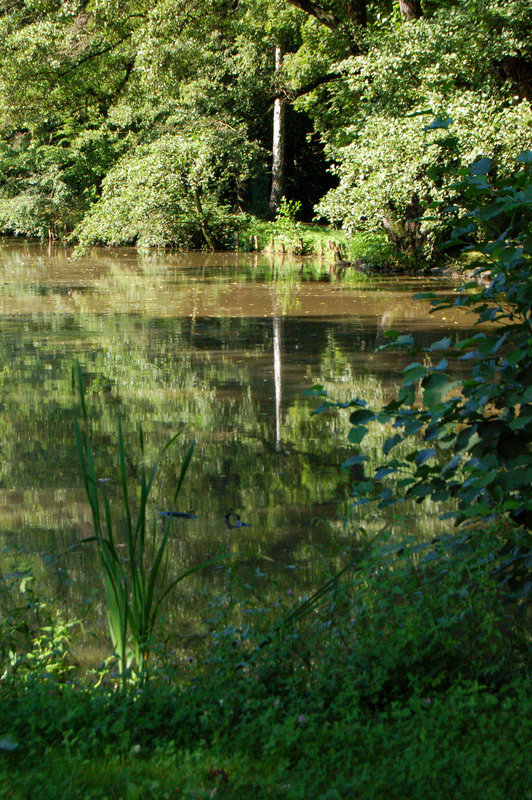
(137,583)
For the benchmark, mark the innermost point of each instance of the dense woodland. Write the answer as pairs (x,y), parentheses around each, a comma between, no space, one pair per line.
(179,122)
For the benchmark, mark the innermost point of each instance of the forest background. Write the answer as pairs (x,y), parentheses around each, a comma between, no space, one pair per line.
(183,123)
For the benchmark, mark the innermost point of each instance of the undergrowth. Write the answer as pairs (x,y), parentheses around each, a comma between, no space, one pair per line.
(395,682)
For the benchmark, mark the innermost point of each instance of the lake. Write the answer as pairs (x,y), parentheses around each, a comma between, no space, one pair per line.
(221,346)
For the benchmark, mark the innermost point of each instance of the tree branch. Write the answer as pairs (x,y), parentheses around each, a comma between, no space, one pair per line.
(94,54)
(330,20)
(319,13)
(309,87)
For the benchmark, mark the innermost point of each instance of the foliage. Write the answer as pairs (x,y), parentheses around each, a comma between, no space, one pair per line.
(35,639)
(135,584)
(47,186)
(470,438)
(171,192)
(444,65)
(146,93)
(149,123)
(397,682)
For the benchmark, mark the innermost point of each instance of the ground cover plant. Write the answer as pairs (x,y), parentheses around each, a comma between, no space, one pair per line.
(406,695)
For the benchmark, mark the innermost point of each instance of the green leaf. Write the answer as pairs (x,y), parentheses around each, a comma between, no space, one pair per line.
(435,387)
(515,356)
(441,344)
(361,416)
(404,340)
(451,466)
(391,442)
(424,455)
(413,373)
(321,408)
(352,460)
(356,435)
(481,167)
(383,472)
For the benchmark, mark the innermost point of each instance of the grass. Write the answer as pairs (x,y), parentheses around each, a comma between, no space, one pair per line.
(406,675)
(449,749)
(298,238)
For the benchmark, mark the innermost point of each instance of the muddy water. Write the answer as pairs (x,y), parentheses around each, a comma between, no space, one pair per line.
(220,346)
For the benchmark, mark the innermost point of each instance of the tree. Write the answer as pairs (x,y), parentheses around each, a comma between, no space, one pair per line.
(277,189)
(446,66)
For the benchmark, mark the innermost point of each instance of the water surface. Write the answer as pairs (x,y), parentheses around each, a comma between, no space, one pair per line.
(222,346)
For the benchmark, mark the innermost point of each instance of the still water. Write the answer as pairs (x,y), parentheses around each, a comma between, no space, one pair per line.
(220,346)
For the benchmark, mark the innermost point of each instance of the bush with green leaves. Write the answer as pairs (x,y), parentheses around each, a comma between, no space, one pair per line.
(49,179)
(471,436)
(171,191)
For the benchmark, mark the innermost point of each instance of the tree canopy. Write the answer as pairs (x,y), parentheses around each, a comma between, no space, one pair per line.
(151,123)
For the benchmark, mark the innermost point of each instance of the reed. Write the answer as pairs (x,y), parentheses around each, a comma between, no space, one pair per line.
(135,585)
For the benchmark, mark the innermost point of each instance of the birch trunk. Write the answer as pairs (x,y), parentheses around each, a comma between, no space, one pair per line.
(277,188)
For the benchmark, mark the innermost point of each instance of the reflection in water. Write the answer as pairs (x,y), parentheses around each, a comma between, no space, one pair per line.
(277,379)
(209,344)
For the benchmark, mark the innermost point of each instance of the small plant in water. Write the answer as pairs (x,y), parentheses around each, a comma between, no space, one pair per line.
(135,585)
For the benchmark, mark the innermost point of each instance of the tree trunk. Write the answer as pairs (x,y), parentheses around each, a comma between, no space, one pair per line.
(405,234)
(277,187)
(201,218)
(410,9)
(519,71)
(357,12)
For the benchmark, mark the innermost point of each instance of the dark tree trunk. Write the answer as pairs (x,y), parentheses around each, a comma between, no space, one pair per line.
(201,218)
(519,71)
(334,22)
(405,234)
(357,12)
(410,9)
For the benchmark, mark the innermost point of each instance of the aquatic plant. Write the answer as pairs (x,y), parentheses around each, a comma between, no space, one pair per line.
(135,585)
